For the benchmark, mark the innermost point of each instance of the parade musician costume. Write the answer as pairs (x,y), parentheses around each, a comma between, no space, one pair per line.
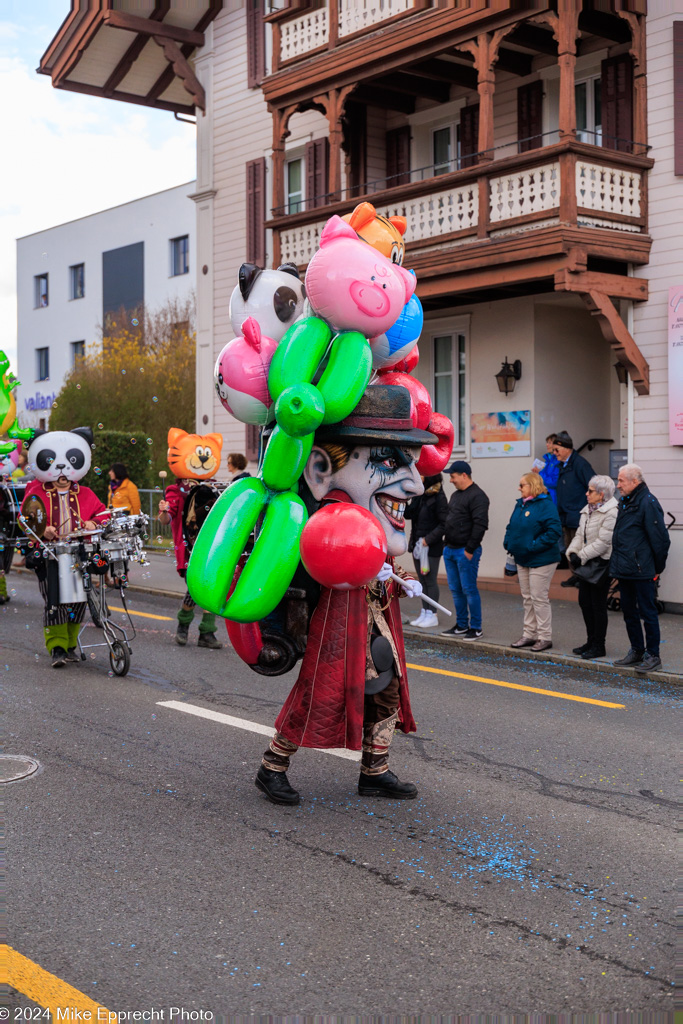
(193,459)
(352,690)
(59,459)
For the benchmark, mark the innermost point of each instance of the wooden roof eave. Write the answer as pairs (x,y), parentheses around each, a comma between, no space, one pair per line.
(381,52)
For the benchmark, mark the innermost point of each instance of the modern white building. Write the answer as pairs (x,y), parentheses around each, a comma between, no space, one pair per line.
(72,276)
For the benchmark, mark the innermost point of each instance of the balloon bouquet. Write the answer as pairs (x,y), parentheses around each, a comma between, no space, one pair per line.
(292,380)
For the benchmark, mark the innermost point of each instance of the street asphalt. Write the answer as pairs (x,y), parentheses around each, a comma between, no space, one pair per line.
(533,874)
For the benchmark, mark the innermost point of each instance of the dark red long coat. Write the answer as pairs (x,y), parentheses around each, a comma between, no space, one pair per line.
(325,706)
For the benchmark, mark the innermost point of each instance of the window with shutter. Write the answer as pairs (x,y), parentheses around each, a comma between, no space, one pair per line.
(469,136)
(397,145)
(678,97)
(251,441)
(617,102)
(256,211)
(317,173)
(530,116)
(256,44)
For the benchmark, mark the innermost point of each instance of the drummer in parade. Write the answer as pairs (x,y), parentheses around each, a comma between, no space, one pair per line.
(59,459)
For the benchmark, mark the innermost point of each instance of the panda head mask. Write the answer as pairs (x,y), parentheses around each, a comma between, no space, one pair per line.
(61,453)
(275,298)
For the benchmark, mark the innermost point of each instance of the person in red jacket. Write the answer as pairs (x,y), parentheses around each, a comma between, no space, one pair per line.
(59,459)
(352,690)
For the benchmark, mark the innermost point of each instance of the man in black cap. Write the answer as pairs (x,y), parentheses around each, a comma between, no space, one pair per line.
(467,521)
(572,483)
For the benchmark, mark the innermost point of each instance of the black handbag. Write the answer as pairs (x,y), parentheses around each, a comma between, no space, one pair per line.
(594,570)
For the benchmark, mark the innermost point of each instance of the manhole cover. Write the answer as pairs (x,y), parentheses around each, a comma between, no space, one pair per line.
(16,766)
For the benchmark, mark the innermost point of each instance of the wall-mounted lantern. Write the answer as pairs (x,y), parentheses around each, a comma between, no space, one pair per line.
(508,375)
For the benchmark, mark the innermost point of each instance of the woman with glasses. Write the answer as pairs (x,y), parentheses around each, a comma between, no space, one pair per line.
(593,540)
(532,538)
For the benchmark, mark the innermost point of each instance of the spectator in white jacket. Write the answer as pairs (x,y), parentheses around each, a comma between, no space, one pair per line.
(591,548)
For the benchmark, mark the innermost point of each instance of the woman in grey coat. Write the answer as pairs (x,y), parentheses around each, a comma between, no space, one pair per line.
(593,539)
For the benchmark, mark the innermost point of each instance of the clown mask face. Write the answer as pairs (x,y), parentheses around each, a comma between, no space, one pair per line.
(381,478)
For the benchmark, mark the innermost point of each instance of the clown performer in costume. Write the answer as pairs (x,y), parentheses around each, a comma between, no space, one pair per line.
(59,459)
(352,690)
(194,460)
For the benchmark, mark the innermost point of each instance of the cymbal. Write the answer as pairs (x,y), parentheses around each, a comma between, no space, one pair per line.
(81,533)
(34,515)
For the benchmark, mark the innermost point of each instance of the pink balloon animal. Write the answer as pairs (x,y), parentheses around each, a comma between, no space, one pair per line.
(241,375)
(352,286)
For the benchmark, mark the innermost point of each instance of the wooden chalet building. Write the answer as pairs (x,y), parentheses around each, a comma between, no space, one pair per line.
(533,148)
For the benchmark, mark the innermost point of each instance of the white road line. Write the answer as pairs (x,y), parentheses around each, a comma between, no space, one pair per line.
(242,723)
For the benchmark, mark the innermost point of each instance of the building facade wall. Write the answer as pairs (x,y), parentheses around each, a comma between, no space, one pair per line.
(154,221)
(662,463)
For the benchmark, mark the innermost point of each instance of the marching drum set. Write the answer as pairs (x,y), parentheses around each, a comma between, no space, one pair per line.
(84,557)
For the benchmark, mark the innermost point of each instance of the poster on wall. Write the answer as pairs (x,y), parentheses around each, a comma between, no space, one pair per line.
(499,434)
(675,347)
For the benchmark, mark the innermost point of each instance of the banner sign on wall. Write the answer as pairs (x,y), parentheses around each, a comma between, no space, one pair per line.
(499,434)
(675,348)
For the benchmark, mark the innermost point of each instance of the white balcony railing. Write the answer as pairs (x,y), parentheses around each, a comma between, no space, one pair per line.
(301,35)
(516,199)
(355,15)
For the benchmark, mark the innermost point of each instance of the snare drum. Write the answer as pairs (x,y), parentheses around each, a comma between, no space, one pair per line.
(71,590)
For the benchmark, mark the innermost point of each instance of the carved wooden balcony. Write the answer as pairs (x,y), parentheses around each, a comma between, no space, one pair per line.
(518,218)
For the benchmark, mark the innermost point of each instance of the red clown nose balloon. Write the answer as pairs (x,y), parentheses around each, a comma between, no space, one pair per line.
(343,546)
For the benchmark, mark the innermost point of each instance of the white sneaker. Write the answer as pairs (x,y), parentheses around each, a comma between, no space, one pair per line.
(418,620)
(430,619)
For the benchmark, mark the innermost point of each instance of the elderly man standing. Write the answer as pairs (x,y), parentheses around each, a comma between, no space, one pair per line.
(572,484)
(640,544)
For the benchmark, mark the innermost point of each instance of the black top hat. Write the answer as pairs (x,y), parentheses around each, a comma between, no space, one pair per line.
(383,414)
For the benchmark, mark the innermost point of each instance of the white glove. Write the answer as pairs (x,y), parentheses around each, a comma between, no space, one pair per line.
(413,588)
(385,573)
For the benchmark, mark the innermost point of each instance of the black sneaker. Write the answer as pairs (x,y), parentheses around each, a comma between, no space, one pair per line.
(580,650)
(72,654)
(181,633)
(58,657)
(455,631)
(650,663)
(632,658)
(473,634)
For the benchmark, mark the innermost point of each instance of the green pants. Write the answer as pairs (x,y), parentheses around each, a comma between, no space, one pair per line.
(65,636)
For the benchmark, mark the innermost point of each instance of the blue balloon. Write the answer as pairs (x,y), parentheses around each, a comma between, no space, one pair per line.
(401,337)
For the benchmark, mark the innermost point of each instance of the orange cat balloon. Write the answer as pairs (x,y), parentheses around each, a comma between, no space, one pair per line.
(383,233)
(193,456)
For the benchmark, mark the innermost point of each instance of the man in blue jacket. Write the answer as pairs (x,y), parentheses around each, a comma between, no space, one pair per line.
(572,483)
(640,544)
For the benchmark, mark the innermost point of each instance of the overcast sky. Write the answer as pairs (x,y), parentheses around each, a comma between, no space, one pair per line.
(69,154)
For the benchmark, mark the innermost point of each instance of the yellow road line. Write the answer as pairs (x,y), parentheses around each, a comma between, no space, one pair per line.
(144,615)
(517,686)
(43,988)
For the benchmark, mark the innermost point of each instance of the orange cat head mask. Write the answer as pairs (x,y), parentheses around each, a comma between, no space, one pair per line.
(192,455)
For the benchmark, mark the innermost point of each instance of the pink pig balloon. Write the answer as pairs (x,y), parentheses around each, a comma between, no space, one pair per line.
(353,286)
(241,375)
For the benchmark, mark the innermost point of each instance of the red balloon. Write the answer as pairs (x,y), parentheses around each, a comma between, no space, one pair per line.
(434,457)
(421,405)
(343,546)
(405,365)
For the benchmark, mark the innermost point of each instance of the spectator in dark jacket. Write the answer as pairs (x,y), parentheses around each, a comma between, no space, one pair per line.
(551,469)
(640,545)
(428,515)
(532,538)
(467,520)
(237,465)
(572,484)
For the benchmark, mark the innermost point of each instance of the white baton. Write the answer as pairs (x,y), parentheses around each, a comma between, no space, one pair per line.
(423,597)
